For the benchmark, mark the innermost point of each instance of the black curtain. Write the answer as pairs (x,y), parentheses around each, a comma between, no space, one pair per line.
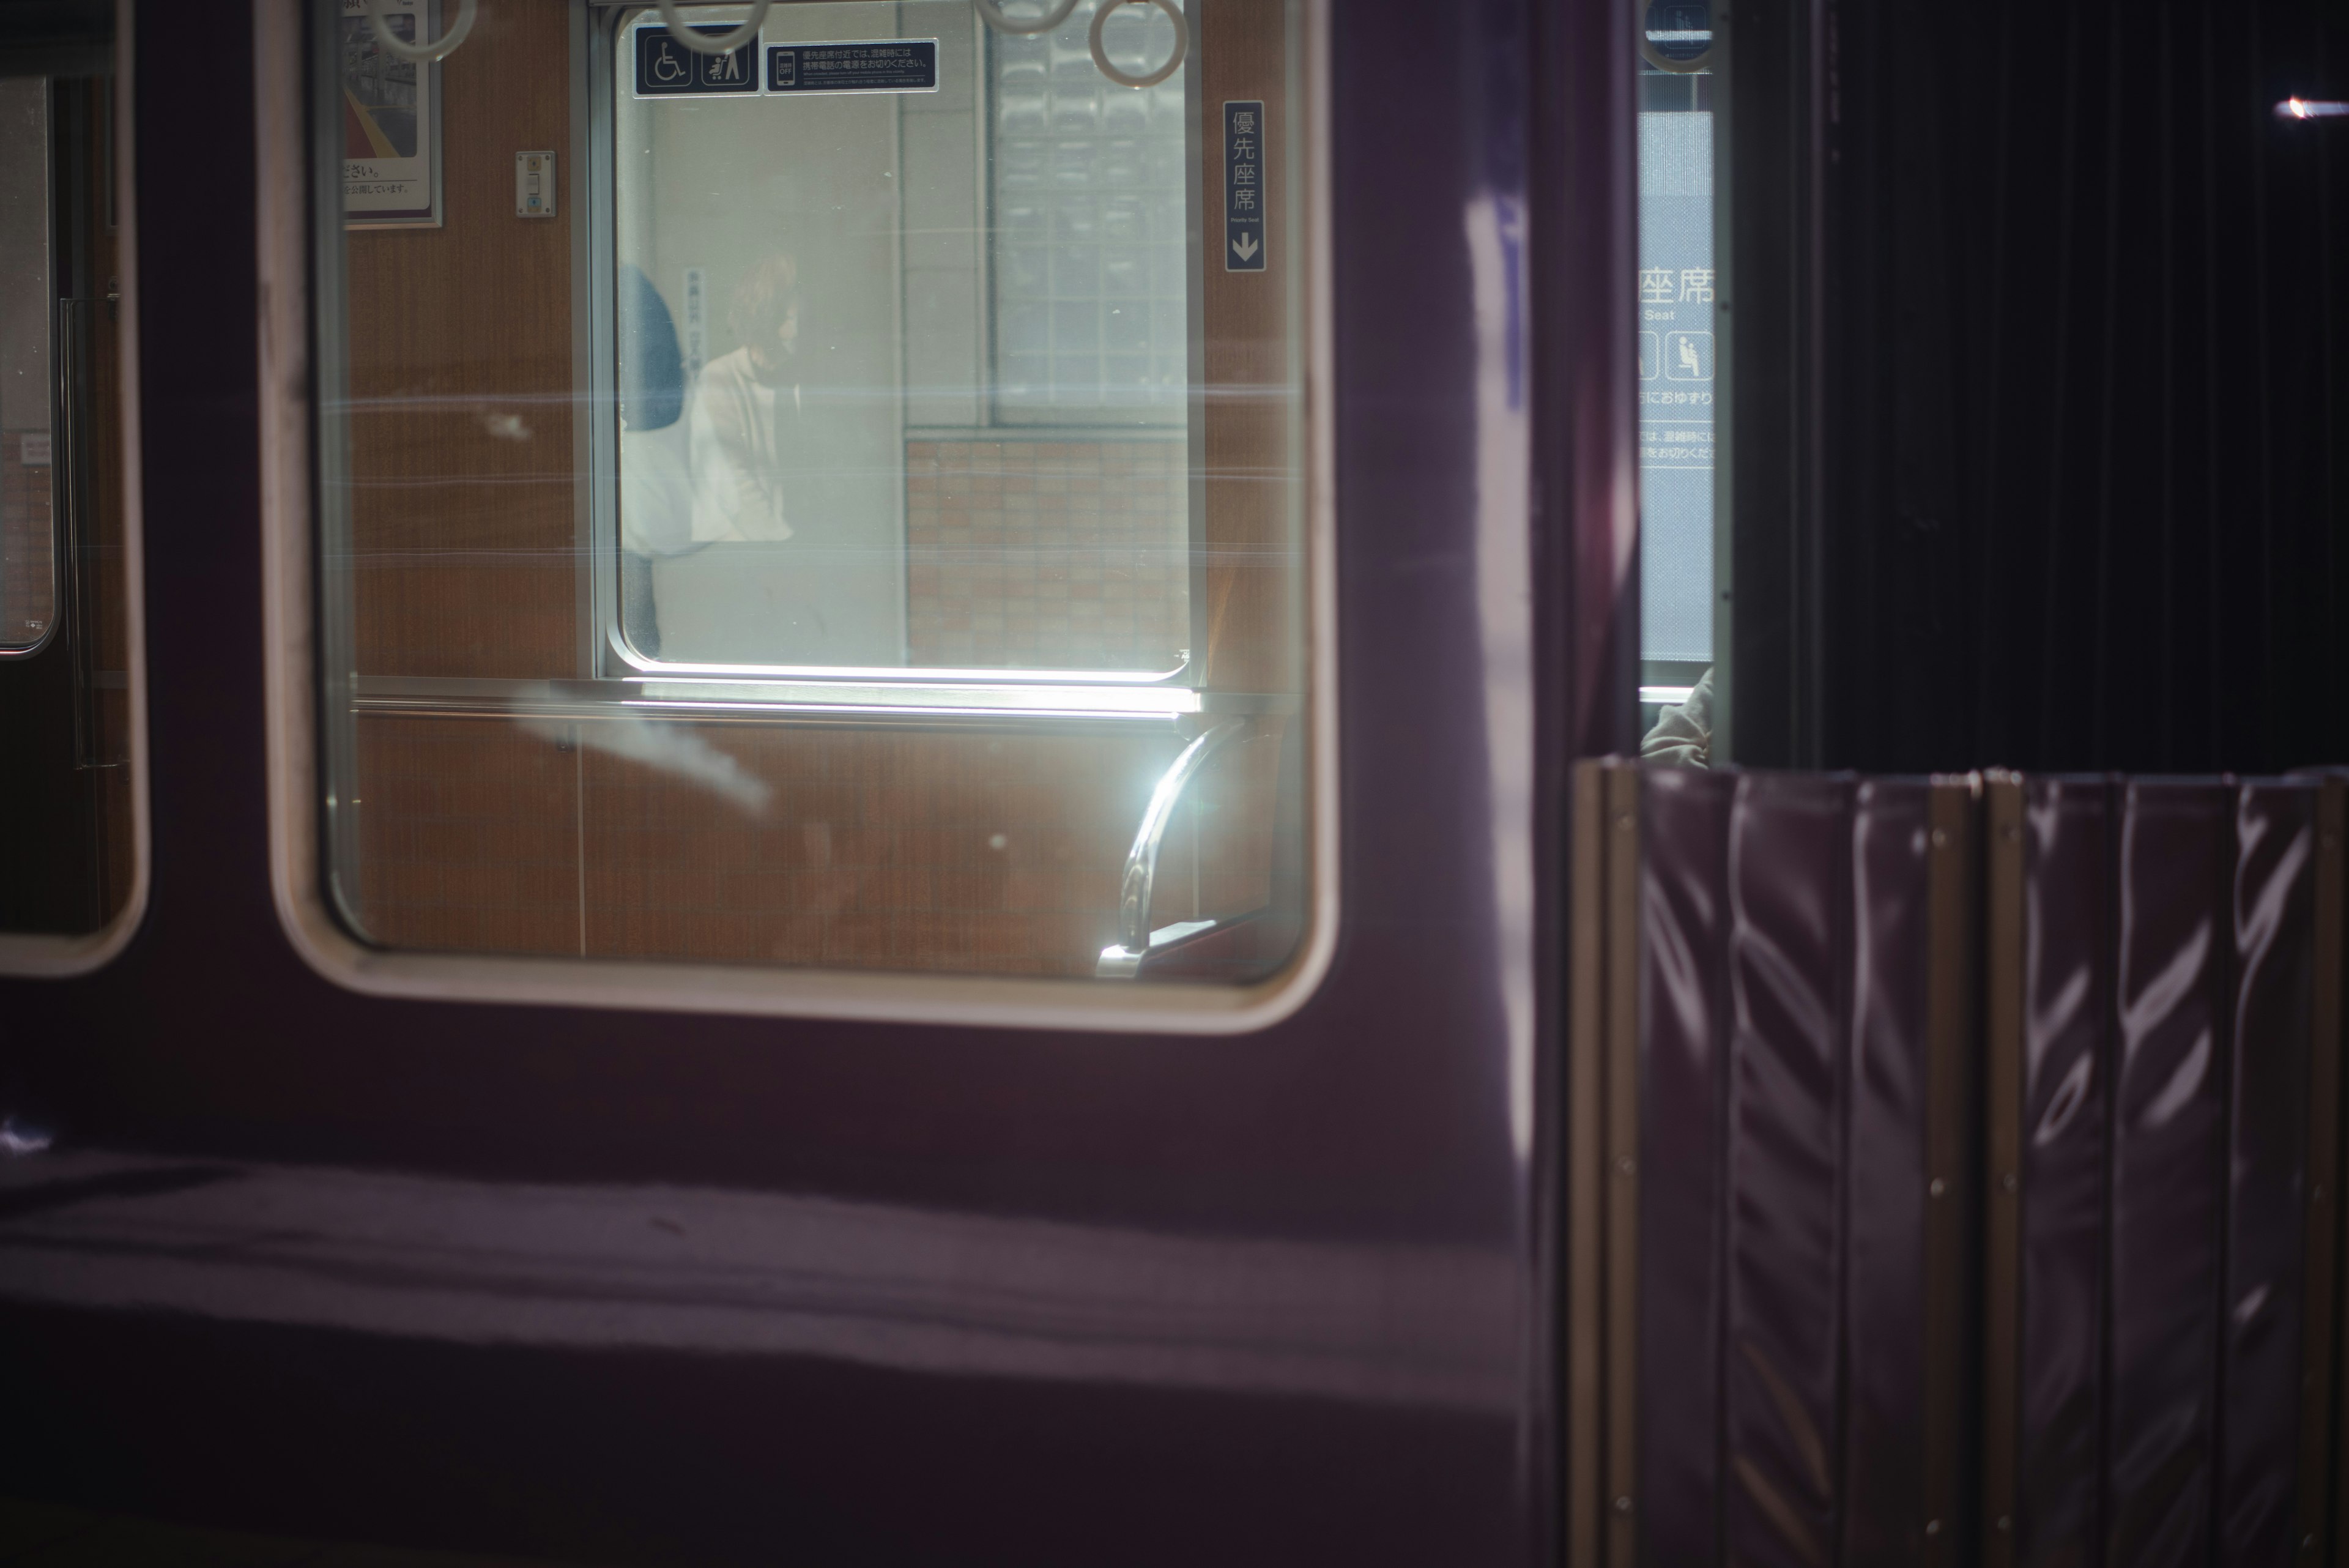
(2046,344)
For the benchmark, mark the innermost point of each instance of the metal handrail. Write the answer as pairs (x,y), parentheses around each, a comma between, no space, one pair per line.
(421,53)
(991,12)
(724,44)
(1173,61)
(1141,860)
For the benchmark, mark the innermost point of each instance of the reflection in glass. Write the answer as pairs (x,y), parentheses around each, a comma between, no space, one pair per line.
(1678,349)
(817,542)
(27,551)
(934,384)
(68,859)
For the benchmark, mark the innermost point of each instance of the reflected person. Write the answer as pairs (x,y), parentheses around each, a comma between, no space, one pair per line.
(656,492)
(747,430)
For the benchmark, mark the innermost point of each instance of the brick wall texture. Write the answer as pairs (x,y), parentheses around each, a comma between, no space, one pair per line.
(1037,555)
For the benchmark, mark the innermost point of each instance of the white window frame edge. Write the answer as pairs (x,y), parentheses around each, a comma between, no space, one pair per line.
(63,957)
(290,657)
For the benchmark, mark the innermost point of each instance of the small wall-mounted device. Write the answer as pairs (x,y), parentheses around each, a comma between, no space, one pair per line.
(534,184)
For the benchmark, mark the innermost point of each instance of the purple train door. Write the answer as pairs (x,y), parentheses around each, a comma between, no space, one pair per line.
(850,732)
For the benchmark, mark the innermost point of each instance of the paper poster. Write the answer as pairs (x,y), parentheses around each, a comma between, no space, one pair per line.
(392,119)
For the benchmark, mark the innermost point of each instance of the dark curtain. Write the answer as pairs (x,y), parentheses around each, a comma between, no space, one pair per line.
(2081,306)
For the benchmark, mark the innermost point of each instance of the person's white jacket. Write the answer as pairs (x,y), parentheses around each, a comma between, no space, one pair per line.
(737,478)
(1682,737)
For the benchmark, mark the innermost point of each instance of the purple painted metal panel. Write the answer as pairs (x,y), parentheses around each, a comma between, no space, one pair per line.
(2169,1169)
(1584,230)
(1885,1178)
(1683,901)
(2273,942)
(2066,997)
(1381,1117)
(1788,854)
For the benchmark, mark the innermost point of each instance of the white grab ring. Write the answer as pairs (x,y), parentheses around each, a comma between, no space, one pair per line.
(992,14)
(422,54)
(1173,61)
(701,46)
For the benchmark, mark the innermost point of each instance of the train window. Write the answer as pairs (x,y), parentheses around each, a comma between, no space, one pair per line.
(29,556)
(1678,285)
(71,853)
(940,374)
(824,490)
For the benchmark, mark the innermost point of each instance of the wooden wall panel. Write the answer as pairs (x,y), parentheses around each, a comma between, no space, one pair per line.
(1253,574)
(469,837)
(464,498)
(945,850)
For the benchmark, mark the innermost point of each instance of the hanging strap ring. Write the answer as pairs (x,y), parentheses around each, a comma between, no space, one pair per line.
(1173,61)
(422,54)
(992,14)
(698,45)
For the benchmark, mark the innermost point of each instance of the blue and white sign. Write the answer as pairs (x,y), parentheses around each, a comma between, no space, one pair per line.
(1243,186)
(667,69)
(1675,305)
(882,65)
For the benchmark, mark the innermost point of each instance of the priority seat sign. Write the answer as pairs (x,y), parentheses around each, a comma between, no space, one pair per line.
(1244,185)
(667,69)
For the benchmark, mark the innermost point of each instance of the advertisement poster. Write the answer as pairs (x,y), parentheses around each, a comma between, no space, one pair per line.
(391,120)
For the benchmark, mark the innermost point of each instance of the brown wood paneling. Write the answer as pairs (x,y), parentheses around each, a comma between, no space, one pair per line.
(943,851)
(1253,539)
(469,837)
(463,504)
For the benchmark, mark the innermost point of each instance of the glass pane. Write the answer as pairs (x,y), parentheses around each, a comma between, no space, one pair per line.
(67,844)
(824,462)
(27,548)
(1677,346)
(780,526)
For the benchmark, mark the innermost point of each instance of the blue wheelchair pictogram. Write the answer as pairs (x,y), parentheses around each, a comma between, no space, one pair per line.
(667,69)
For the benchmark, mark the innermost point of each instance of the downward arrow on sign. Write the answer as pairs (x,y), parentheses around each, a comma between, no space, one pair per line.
(1245,247)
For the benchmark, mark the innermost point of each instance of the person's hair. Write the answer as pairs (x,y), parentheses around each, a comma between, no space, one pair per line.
(763,297)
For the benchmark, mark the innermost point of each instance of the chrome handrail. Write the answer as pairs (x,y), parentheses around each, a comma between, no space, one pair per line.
(421,53)
(1141,860)
(692,39)
(992,14)
(1173,61)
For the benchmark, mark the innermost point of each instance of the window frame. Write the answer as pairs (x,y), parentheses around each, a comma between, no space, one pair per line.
(298,633)
(44,954)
